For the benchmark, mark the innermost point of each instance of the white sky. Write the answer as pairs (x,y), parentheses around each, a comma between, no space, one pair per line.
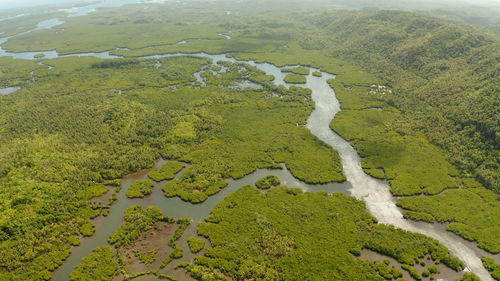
(4,4)
(39,2)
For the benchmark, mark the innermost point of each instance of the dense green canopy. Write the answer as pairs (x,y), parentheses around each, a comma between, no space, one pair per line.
(287,235)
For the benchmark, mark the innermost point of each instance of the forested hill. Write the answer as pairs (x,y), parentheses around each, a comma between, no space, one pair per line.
(445,78)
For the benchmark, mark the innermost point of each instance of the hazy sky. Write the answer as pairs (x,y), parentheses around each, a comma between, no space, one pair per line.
(24,3)
(4,4)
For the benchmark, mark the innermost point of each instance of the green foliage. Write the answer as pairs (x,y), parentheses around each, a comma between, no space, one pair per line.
(98,265)
(120,259)
(74,241)
(167,277)
(182,224)
(267,182)
(473,213)
(413,272)
(355,92)
(113,198)
(182,265)
(116,182)
(15,72)
(295,79)
(135,275)
(441,76)
(297,70)
(422,59)
(405,160)
(141,224)
(49,161)
(268,236)
(87,229)
(165,262)
(196,244)
(418,216)
(25,22)
(317,74)
(177,253)
(140,188)
(204,273)
(148,31)
(114,63)
(275,245)
(137,221)
(147,258)
(237,151)
(469,277)
(492,267)
(96,191)
(386,272)
(409,247)
(167,171)
(54,162)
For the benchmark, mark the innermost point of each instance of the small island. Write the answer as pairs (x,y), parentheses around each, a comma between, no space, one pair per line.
(297,70)
(196,244)
(267,182)
(295,79)
(167,171)
(140,188)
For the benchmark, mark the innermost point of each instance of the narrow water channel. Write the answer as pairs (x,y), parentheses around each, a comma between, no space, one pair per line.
(375,193)
(173,207)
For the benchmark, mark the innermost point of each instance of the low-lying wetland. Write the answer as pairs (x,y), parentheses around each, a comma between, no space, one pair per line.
(233,185)
(178,208)
(182,101)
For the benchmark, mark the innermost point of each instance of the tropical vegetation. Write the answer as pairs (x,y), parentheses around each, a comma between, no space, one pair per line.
(272,234)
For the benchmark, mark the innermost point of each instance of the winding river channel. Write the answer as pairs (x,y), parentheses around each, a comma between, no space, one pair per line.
(379,201)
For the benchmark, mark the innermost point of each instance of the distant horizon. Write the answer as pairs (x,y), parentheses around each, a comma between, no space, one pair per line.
(12,4)
(9,4)
(21,4)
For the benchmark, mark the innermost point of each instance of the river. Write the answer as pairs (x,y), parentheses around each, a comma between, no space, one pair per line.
(379,201)
(375,193)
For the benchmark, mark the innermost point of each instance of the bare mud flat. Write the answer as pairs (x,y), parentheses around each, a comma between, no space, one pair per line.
(152,241)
